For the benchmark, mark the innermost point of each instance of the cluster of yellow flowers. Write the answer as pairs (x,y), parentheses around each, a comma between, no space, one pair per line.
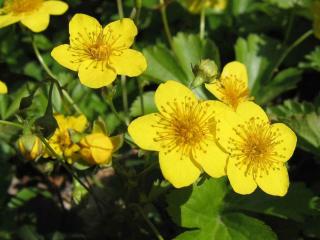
(232,137)
(69,142)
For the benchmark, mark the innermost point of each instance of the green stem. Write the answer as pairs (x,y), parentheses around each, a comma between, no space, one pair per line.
(113,109)
(125,98)
(165,22)
(54,77)
(17,125)
(289,27)
(138,4)
(141,96)
(151,225)
(202,23)
(120,9)
(290,48)
(69,170)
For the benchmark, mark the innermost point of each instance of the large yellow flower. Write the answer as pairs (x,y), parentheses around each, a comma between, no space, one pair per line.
(184,134)
(258,150)
(34,14)
(3,88)
(232,86)
(99,54)
(61,140)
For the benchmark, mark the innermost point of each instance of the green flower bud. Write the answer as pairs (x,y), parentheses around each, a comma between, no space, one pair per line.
(30,146)
(205,72)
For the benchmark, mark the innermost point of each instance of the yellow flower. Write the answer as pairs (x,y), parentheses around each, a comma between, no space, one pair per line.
(183,132)
(258,150)
(196,6)
(99,54)
(3,88)
(61,140)
(96,148)
(34,14)
(30,146)
(232,86)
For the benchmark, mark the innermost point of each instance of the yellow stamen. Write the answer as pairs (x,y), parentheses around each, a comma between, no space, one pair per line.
(22,6)
(184,127)
(254,147)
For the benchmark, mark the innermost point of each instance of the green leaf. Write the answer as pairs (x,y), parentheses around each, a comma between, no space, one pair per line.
(29,232)
(148,104)
(283,81)
(295,205)
(201,207)
(258,53)
(313,60)
(304,120)
(188,50)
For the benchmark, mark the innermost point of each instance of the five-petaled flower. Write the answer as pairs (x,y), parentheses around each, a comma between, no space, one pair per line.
(258,150)
(184,134)
(34,14)
(61,141)
(232,86)
(99,54)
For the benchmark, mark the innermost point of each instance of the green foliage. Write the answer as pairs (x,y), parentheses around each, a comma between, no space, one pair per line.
(304,119)
(313,60)
(202,207)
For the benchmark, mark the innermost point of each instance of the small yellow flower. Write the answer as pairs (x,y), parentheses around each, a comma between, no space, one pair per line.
(34,14)
(183,132)
(96,148)
(258,150)
(61,140)
(99,54)
(30,146)
(232,86)
(3,88)
(196,6)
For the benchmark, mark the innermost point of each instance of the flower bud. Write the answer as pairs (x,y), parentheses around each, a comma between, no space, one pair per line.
(96,148)
(3,88)
(205,72)
(30,146)
(196,6)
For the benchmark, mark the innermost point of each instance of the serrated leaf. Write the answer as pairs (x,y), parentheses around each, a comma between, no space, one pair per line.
(188,50)
(148,104)
(313,60)
(304,120)
(201,207)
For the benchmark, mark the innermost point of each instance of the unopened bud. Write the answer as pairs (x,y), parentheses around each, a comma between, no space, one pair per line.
(30,146)
(205,72)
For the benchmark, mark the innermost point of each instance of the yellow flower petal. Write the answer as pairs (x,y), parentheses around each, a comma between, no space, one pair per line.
(54,7)
(276,182)
(3,88)
(287,141)
(249,110)
(38,21)
(142,125)
(130,62)
(179,172)
(101,147)
(212,160)
(8,19)
(65,57)
(91,75)
(79,27)
(77,123)
(240,182)
(123,30)
(170,92)
(61,121)
(236,69)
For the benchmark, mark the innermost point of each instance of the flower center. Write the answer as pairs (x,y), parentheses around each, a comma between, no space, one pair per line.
(254,147)
(97,46)
(184,127)
(233,91)
(22,6)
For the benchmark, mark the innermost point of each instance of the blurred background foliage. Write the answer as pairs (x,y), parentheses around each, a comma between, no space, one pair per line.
(273,38)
